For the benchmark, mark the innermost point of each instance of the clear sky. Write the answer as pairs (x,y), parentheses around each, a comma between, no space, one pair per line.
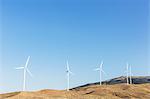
(82,31)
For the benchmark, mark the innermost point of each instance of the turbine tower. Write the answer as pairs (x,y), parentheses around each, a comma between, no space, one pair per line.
(25,70)
(130,76)
(100,69)
(68,76)
(127,71)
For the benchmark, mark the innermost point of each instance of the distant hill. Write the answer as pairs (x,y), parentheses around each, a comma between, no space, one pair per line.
(111,89)
(135,80)
(120,80)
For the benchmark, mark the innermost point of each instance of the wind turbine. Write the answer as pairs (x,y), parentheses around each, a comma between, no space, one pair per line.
(100,69)
(130,76)
(25,70)
(127,71)
(68,76)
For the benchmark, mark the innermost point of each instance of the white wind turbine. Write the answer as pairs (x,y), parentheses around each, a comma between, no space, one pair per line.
(68,76)
(100,69)
(130,76)
(127,71)
(25,69)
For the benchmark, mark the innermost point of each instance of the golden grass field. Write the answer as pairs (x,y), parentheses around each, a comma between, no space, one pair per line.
(117,91)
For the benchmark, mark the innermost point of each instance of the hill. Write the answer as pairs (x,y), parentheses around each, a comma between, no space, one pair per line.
(91,91)
(121,80)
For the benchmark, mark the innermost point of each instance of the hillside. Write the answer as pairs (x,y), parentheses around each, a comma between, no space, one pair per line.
(121,80)
(90,91)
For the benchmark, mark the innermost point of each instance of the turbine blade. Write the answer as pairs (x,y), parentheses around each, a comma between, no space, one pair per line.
(27,62)
(71,73)
(97,69)
(29,72)
(101,64)
(67,66)
(104,72)
(19,68)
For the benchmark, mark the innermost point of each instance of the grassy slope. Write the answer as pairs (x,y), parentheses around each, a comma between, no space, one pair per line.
(117,91)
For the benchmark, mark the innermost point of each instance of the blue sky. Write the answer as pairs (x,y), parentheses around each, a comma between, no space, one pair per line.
(84,32)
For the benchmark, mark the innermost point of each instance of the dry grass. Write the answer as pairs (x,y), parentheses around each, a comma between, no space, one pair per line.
(118,91)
